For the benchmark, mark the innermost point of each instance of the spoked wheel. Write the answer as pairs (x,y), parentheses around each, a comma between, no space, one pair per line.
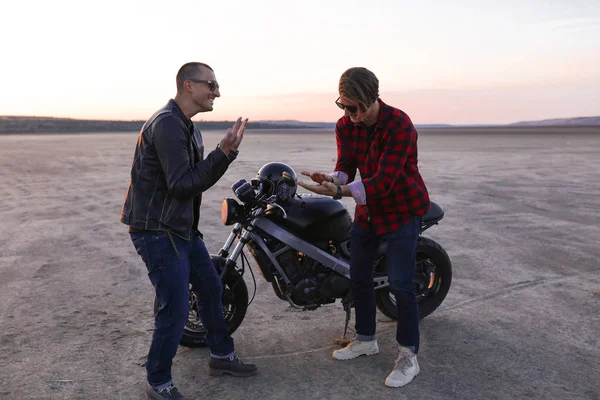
(433,276)
(235,305)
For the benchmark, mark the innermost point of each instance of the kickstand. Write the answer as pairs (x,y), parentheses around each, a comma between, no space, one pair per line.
(344,341)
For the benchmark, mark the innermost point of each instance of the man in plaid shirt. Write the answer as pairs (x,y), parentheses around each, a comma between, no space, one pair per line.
(381,142)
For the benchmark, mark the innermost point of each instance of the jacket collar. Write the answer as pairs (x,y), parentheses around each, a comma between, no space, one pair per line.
(177,112)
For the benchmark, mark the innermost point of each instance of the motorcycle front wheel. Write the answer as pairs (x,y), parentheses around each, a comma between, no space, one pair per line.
(433,276)
(235,305)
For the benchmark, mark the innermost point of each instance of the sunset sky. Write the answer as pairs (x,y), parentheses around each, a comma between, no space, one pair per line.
(459,62)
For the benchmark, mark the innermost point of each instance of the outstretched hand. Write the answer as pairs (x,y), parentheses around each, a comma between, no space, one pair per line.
(325,188)
(233,137)
(318,177)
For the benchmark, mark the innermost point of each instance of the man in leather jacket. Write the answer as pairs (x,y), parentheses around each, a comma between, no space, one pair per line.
(162,208)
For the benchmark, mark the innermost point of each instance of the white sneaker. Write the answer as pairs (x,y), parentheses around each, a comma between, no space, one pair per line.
(405,369)
(357,348)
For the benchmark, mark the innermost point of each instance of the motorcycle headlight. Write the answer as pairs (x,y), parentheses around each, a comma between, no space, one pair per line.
(231,211)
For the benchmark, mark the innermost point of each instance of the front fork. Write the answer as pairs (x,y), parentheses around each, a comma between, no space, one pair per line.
(231,259)
(224,252)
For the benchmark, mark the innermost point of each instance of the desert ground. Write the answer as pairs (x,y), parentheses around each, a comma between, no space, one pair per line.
(521,320)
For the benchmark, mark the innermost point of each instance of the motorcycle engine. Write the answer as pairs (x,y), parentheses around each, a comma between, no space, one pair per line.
(313,283)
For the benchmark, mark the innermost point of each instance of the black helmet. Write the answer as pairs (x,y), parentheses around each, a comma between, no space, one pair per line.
(278,179)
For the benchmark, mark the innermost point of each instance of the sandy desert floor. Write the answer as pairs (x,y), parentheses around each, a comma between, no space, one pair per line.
(521,320)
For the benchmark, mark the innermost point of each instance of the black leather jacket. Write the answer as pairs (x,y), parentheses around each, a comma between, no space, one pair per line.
(169,174)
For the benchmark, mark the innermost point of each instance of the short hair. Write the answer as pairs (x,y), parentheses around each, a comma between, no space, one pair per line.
(360,85)
(188,71)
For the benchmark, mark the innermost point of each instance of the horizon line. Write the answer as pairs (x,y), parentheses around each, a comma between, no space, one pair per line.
(301,121)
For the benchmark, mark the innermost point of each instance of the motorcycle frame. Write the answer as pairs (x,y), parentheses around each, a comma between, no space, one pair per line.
(291,241)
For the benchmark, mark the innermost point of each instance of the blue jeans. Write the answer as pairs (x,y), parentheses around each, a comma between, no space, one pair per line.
(401,259)
(173,263)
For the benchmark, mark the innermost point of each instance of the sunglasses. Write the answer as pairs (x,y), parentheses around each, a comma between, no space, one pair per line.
(351,109)
(213,85)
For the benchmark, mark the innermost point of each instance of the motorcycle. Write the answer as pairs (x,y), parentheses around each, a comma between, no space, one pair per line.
(301,245)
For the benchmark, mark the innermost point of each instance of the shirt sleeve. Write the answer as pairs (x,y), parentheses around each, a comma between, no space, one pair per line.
(357,188)
(342,177)
(346,162)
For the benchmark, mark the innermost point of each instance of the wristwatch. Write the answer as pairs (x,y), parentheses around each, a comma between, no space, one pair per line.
(232,155)
(338,195)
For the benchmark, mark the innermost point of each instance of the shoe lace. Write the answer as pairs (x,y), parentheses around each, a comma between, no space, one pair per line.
(402,362)
(236,359)
(354,343)
(168,390)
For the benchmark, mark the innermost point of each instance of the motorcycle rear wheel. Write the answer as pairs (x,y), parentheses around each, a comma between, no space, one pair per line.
(433,269)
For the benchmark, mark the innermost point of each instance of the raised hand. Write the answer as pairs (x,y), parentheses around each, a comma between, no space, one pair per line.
(233,137)
(318,177)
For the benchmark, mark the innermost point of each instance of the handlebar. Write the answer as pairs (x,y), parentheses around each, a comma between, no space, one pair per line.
(257,193)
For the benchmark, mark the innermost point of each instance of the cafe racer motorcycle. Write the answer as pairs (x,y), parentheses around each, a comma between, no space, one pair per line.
(301,245)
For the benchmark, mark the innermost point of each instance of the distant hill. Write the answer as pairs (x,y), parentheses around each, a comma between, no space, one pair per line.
(18,124)
(418,126)
(580,121)
(331,125)
(290,122)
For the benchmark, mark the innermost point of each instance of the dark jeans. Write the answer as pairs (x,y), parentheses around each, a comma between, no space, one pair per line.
(401,253)
(171,272)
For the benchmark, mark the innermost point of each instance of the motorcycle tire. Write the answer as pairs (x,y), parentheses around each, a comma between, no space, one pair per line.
(235,305)
(430,256)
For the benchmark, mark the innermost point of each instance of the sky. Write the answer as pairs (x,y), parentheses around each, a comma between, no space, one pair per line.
(459,62)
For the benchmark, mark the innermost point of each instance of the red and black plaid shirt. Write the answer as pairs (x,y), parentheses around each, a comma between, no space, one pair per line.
(387,162)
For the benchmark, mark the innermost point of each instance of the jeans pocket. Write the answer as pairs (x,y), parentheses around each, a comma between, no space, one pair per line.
(136,239)
(150,248)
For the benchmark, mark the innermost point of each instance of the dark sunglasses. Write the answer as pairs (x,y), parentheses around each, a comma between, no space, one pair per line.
(213,85)
(351,109)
